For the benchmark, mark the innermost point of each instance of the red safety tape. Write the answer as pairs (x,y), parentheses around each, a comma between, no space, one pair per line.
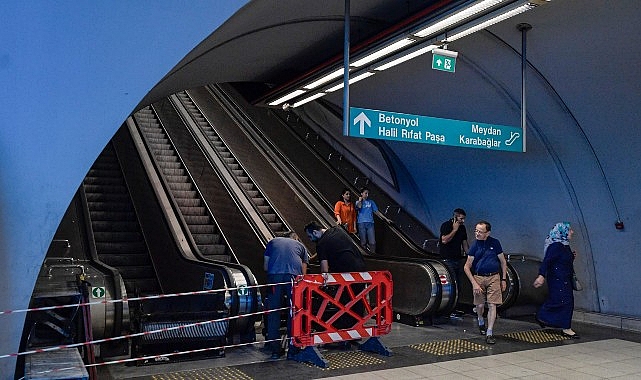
(55,348)
(135,299)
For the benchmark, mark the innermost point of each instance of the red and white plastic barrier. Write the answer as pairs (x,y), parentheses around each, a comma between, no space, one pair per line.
(322,304)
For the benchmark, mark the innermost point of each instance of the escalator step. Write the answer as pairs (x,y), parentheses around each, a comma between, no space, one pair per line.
(276,226)
(181,186)
(194,219)
(141,286)
(202,228)
(213,249)
(225,258)
(124,236)
(113,215)
(185,194)
(107,197)
(116,225)
(177,178)
(119,260)
(205,239)
(102,179)
(193,211)
(269,217)
(110,206)
(115,189)
(188,202)
(259,201)
(144,271)
(265,210)
(104,248)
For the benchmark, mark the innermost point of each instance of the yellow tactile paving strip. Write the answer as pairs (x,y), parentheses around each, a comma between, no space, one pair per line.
(348,359)
(536,336)
(449,347)
(220,373)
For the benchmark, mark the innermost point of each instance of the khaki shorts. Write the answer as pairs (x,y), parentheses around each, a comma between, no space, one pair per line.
(491,290)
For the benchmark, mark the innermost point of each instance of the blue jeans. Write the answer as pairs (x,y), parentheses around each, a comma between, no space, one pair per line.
(275,295)
(367,235)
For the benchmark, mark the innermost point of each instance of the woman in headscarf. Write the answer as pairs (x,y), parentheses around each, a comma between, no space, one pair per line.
(557,268)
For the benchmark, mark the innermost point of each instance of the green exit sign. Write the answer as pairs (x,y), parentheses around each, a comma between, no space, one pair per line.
(444,60)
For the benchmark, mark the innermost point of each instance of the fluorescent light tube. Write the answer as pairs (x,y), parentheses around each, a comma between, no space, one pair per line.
(325,79)
(285,98)
(383,52)
(456,17)
(404,58)
(309,99)
(491,21)
(353,80)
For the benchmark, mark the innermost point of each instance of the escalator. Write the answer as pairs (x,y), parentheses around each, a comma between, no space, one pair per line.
(235,168)
(203,228)
(118,240)
(260,156)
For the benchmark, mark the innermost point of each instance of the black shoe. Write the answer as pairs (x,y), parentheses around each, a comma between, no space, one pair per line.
(490,339)
(540,322)
(482,329)
(571,336)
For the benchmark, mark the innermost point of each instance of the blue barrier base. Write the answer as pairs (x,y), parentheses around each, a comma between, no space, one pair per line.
(375,345)
(309,354)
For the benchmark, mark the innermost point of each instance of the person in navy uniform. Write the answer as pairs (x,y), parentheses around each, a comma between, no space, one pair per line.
(284,258)
(486,269)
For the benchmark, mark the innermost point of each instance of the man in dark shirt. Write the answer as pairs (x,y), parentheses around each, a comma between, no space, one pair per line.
(336,250)
(337,253)
(453,243)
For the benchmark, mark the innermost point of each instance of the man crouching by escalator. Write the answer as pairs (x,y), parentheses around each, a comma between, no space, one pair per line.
(285,258)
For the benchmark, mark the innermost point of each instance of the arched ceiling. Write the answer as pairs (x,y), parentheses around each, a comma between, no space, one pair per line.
(275,41)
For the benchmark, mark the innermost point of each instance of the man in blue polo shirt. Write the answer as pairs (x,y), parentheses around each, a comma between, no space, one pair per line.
(486,269)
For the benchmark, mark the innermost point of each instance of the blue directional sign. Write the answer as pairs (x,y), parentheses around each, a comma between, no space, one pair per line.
(396,126)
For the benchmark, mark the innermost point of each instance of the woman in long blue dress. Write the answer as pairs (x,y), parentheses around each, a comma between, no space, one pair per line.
(557,268)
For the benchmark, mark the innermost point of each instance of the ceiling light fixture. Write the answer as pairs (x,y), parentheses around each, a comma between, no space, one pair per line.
(402,50)
(398,45)
(457,17)
(352,80)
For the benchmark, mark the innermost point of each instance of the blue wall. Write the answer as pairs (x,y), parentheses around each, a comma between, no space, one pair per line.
(71,73)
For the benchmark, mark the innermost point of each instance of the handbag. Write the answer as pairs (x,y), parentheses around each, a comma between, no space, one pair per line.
(576,284)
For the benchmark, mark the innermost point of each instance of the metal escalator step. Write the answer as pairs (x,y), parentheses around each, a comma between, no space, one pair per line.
(259,201)
(105,205)
(123,259)
(185,194)
(104,189)
(276,226)
(248,186)
(202,228)
(117,236)
(200,331)
(188,202)
(113,215)
(195,219)
(225,258)
(97,178)
(141,285)
(253,193)
(270,217)
(107,197)
(115,225)
(135,272)
(169,171)
(265,210)
(193,210)
(206,239)
(181,186)
(177,178)
(166,158)
(170,165)
(243,179)
(213,249)
(239,172)
(109,247)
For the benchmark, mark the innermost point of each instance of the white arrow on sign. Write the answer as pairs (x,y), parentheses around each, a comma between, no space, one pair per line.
(363,119)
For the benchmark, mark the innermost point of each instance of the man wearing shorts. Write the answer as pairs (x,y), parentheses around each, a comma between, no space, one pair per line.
(486,269)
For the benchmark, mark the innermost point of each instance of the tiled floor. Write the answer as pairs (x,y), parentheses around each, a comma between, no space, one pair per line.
(451,349)
(603,359)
